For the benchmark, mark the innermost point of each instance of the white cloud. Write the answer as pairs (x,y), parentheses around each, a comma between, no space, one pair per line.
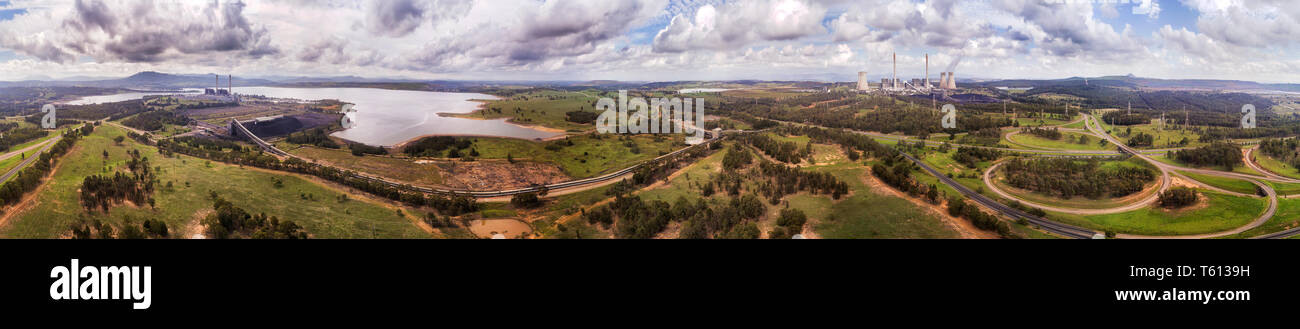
(738,24)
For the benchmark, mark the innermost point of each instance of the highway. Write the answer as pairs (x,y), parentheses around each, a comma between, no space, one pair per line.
(29,159)
(1061,229)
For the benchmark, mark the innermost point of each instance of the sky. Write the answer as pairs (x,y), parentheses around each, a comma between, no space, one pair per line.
(652,40)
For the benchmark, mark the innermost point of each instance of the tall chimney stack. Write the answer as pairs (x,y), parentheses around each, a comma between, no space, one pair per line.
(230,85)
(895,82)
(216,82)
(927,71)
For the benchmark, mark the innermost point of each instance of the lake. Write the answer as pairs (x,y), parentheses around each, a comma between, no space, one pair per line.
(390,117)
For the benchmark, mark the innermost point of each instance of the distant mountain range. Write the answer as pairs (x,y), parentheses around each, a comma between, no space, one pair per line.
(1131,81)
(150,80)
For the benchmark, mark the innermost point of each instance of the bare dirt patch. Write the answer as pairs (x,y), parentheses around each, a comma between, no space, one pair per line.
(497,175)
(194,229)
(511,228)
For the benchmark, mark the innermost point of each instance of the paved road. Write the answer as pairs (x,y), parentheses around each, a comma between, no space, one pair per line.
(29,159)
(1065,230)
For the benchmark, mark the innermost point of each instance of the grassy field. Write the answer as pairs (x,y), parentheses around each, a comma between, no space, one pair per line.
(1286,217)
(546,108)
(401,169)
(1231,184)
(57,204)
(1061,144)
(1275,166)
(1284,189)
(1224,212)
(587,157)
(1164,138)
(867,214)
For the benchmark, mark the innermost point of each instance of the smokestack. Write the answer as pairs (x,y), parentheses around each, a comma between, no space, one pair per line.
(230,85)
(216,82)
(895,71)
(927,71)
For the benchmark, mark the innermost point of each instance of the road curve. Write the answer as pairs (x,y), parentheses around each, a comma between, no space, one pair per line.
(1167,169)
(1066,230)
(988,182)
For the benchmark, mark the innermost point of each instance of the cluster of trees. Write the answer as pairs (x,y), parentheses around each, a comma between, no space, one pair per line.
(155,120)
(450,205)
(1068,178)
(582,117)
(958,207)
(30,178)
(1178,197)
(897,172)
(888,116)
(784,180)
(1211,134)
(1282,149)
(736,157)
(526,200)
(435,145)
(113,111)
(847,139)
(359,149)
(788,224)
(969,156)
(316,136)
(1119,118)
(229,221)
(732,220)
(787,152)
(634,218)
(95,229)
(1223,154)
(1141,139)
(102,192)
(1052,133)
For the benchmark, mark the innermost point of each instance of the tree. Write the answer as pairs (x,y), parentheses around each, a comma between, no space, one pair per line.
(1178,197)
(526,200)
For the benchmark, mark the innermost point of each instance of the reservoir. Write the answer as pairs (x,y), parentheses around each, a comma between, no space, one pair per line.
(390,117)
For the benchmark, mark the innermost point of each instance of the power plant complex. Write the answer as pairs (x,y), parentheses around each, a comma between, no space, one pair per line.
(947,80)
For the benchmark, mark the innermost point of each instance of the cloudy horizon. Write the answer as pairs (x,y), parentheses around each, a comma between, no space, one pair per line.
(651,40)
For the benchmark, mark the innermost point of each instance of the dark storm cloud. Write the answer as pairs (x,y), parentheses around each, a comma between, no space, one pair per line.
(395,18)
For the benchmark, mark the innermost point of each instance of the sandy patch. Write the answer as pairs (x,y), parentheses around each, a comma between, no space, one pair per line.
(510,227)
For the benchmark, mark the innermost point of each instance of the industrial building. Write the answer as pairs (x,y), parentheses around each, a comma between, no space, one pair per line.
(914,85)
